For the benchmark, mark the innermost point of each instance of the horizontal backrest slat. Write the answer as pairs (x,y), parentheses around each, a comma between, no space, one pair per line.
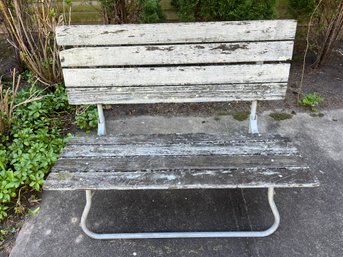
(177,94)
(177,54)
(178,62)
(170,33)
(187,75)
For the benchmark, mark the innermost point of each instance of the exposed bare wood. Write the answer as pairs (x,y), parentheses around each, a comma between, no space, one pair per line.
(169,139)
(189,75)
(177,94)
(177,54)
(182,179)
(167,33)
(145,163)
(179,161)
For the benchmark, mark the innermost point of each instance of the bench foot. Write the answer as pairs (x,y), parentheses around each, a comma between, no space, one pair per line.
(148,235)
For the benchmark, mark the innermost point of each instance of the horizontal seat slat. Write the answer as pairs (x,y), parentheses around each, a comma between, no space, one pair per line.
(182,179)
(148,163)
(109,151)
(177,54)
(177,94)
(170,139)
(187,75)
(181,145)
(137,34)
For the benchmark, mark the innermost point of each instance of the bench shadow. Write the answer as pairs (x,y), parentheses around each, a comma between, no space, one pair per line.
(179,210)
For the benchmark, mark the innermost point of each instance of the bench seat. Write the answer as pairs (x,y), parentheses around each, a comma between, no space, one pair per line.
(179,161)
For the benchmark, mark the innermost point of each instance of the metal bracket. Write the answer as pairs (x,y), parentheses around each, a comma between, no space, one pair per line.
(150,235)
(101,121)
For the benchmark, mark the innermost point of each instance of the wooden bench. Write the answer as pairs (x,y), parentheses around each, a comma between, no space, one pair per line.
(178,63)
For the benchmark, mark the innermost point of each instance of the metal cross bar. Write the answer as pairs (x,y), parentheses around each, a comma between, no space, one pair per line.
(150,235)
(101,121)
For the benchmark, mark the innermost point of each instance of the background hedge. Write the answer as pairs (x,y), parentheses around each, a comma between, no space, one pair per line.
(220,10)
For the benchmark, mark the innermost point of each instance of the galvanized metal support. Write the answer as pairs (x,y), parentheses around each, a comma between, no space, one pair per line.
(150,235)
(101,121)
(253,129)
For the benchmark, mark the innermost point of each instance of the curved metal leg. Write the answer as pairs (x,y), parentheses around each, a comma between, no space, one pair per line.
(147,235)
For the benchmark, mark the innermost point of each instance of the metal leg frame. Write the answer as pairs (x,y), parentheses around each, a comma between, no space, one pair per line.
(147,235)
(101,122)
(253,129)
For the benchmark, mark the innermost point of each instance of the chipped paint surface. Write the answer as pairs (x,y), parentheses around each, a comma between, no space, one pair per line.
(179,161)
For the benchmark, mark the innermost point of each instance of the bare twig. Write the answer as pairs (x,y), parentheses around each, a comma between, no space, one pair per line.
(332,33)
(31,29)
(307,47)
(8,105)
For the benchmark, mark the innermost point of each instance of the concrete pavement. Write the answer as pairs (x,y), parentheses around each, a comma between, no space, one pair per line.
(311,218)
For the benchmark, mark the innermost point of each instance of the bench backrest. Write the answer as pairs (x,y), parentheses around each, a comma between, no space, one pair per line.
(176,62)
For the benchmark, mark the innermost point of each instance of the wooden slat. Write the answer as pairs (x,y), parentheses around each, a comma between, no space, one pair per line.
(177,54)
(189,75)
(146,163)
(172,139)
(109,151)
(182,179)
(167,33)
(181,145)
(177,94)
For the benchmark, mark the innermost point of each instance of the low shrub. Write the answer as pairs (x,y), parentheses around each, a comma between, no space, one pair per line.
(152,12)
(298,8)
(131,11)
(219,10)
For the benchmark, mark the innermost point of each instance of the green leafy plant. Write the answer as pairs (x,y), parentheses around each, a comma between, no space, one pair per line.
(312,100)
(4,232)
(86,118)
(33,212)
(33,142)
(8,103)
(3,212)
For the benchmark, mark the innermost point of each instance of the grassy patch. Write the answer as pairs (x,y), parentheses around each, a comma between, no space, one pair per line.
(317,114)
(280,116)
(241,116)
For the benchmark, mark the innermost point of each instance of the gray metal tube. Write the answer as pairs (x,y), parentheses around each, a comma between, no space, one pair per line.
(101,122)
(150,235)
(253,118)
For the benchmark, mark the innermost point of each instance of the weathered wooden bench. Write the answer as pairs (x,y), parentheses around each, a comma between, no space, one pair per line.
(178,63)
